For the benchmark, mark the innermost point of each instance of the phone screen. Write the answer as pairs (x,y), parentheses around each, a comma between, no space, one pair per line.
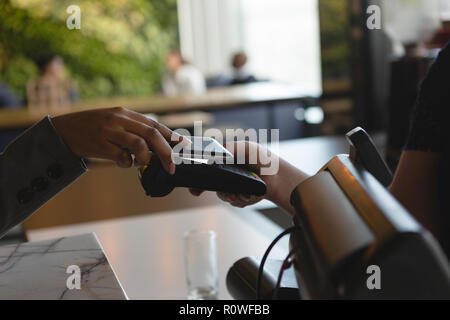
(203,147)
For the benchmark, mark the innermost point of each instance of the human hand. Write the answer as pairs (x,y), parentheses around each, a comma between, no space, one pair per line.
(243,200)
(279,184)
(115,134)
(236,200)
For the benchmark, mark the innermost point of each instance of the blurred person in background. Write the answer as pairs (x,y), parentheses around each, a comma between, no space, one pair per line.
(7,98)
(52,88)
(241,74)
(181,77)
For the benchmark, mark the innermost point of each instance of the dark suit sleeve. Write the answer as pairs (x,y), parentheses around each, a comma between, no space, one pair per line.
(33,169)
(429,128)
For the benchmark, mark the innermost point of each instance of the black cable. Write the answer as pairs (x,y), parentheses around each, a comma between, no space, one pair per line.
(284,266)
(266,254)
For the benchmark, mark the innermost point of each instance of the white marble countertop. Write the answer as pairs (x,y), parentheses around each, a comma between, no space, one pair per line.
(38,270)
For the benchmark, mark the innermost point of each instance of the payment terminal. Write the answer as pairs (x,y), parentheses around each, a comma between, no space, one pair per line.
(197,167)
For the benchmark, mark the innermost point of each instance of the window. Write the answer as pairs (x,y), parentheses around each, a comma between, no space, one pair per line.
(280,37)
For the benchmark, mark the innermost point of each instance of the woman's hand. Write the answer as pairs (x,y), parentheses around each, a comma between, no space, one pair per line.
(242,200)
(279,184)
(115,134)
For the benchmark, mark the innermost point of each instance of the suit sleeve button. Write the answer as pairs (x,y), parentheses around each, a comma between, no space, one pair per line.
(55,171)
(39,184)
(25,195)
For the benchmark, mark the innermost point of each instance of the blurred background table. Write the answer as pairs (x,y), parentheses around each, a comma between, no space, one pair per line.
(216,98)
(264,105)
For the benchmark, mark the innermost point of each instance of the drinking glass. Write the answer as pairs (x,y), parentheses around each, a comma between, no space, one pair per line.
(200,258)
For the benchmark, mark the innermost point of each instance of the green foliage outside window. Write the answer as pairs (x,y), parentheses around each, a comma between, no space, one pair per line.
(119,50)
(335,37)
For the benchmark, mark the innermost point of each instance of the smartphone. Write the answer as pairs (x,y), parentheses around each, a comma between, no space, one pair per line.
(202,148)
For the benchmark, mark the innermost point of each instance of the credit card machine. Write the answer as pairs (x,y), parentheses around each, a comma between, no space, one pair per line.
(201,174)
